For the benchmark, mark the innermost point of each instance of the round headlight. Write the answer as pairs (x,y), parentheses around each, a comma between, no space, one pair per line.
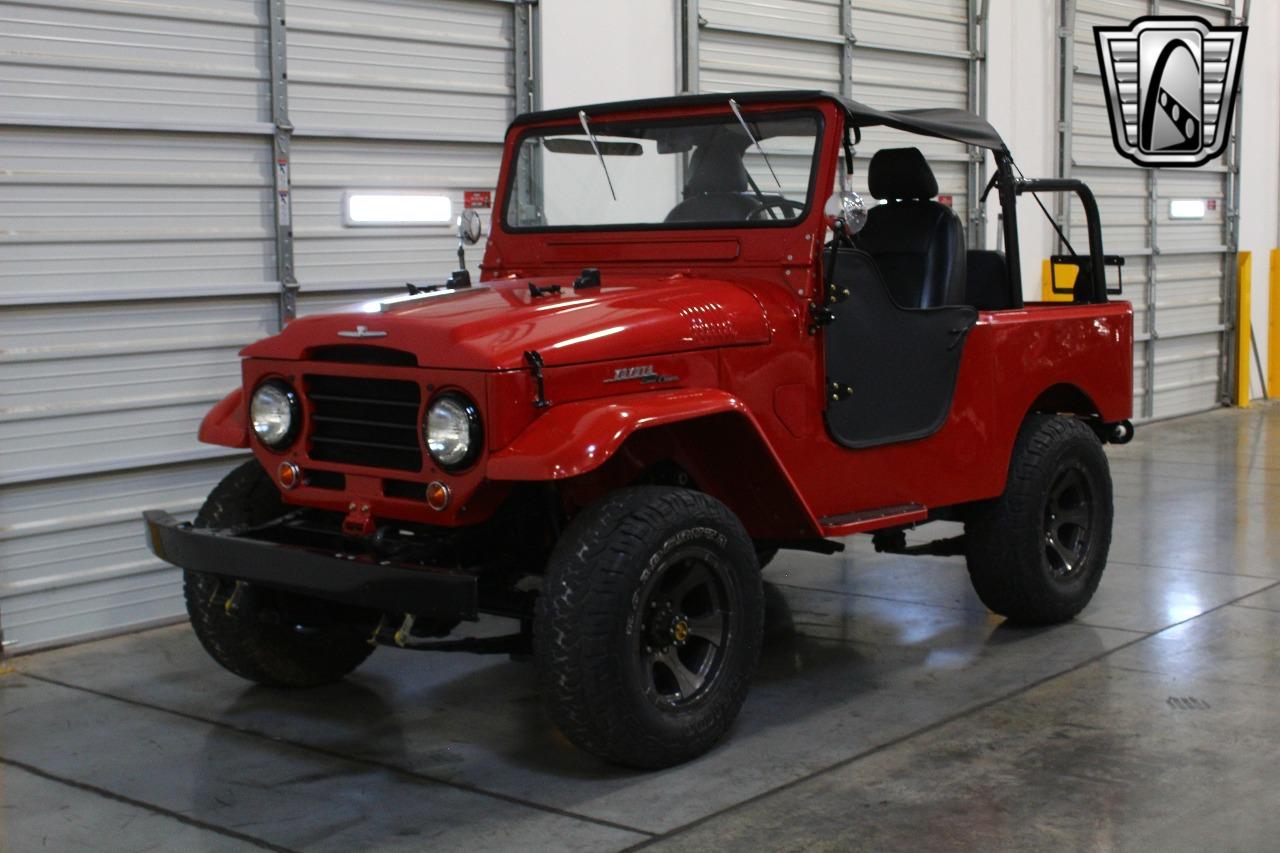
(273,411)
(452,431)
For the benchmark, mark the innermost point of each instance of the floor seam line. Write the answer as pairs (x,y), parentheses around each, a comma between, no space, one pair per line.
(938,724)
(145,806)
(1256,607)
(368,762)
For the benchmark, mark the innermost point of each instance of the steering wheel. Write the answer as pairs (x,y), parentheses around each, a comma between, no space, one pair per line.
(776,202)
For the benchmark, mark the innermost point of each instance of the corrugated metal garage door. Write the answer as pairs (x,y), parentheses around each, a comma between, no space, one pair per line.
(1179,274)
(138,245)
(386,95)
(887,54)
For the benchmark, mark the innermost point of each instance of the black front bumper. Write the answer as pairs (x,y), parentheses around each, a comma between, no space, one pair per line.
(356,580)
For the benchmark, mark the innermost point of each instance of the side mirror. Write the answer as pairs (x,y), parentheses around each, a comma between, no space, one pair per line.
(470,228)
(845,212)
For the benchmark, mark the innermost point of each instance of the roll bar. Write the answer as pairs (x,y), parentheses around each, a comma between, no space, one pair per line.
(1011,187)
(1097,258)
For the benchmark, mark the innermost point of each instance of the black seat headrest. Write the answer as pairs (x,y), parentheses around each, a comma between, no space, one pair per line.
(901,173)
(716,167)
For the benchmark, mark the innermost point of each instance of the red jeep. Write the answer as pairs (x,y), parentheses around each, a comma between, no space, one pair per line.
(683,353)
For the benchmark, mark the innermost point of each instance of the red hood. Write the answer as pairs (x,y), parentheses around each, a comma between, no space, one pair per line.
(492,325)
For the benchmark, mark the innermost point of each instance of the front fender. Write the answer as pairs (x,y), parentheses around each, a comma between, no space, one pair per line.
(739,465)
(575,438)
(227,423)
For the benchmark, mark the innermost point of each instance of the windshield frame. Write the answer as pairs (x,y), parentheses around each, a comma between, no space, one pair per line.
(751,114)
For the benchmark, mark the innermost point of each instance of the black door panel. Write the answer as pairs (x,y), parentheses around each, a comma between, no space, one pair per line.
(891,371)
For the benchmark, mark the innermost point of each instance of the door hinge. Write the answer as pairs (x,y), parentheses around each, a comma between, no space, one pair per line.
(819,316)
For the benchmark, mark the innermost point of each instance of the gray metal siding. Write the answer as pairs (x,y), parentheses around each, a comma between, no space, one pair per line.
(138,247)
(391,95)
(183,62)
(1179,275)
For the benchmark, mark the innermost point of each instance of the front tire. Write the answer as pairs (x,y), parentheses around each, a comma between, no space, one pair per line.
(273,654)
(1036,554)
(649,626)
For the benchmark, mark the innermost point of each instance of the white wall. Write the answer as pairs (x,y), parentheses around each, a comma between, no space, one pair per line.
(1022,106)
(607,50)
(1259,122)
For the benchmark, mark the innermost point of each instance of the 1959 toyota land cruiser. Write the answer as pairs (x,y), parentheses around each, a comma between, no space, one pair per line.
(683,352)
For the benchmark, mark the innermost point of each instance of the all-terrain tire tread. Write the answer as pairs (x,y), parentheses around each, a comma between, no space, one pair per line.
(592,569)
(1003,536)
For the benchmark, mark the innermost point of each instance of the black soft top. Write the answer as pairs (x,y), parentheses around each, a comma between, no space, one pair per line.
(944,123)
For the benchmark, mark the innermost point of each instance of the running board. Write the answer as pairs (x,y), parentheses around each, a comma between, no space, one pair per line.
(867,520)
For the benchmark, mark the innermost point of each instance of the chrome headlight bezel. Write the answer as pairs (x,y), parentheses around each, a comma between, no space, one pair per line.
(464,447)
(289,398)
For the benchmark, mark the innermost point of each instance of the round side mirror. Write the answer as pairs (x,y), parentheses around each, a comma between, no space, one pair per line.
(470,227)
(845,212)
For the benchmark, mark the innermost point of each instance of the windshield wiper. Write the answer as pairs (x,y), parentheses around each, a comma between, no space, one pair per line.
(595,146)
(733,105)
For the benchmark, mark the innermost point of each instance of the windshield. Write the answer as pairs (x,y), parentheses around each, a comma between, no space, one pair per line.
(690,172)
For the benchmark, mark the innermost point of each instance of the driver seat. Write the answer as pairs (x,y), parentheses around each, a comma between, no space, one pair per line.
(917,243)
(716,190)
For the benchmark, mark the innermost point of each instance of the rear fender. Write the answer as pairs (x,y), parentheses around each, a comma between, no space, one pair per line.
(227,423)
(718,438)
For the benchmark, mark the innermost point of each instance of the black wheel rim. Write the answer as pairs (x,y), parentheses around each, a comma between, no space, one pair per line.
(685,626)
(1068,524)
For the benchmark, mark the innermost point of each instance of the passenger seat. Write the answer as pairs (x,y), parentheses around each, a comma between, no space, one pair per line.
(917,243)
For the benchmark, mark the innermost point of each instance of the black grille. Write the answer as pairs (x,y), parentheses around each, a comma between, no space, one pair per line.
(367,422)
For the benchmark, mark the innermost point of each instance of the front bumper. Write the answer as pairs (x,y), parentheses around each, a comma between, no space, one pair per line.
(356,580)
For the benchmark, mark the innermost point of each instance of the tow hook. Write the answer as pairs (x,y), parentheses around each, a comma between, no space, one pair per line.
(404,631)
(241,603)
(358,521)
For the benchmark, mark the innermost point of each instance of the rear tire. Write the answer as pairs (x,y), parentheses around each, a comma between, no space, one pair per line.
(1036,554)
(649,626)
(278,655)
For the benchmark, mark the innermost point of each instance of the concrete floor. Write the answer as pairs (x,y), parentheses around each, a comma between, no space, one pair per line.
(891,711)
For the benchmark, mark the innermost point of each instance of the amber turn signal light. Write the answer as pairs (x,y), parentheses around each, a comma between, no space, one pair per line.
(437,495)
(289,475)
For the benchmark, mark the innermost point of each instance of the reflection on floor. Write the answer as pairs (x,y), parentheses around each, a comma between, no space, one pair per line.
(890,711)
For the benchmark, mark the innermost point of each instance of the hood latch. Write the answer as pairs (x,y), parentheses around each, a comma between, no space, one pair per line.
(534,360)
